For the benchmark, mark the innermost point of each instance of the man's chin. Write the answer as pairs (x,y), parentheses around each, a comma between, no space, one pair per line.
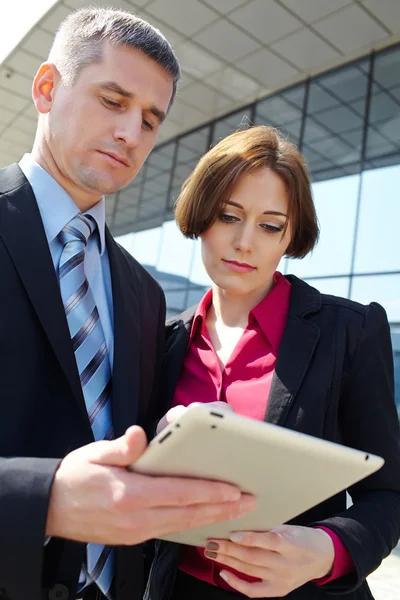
(105,186)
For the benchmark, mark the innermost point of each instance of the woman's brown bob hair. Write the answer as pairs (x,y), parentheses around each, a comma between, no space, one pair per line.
(211,183)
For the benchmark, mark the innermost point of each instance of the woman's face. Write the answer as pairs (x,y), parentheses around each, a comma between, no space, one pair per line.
(242,249)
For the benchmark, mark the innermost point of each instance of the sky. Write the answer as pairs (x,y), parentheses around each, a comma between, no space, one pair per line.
(17,19)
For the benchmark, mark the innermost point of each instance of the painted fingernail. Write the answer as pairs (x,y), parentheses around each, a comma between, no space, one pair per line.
(236,537)
(212,546)
(210,554)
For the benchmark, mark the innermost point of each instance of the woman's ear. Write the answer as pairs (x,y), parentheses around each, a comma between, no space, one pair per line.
(43,87)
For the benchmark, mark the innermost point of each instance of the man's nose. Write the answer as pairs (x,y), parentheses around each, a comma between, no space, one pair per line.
(129,129)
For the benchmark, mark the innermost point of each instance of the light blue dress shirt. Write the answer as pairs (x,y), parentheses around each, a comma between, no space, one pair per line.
(57,208)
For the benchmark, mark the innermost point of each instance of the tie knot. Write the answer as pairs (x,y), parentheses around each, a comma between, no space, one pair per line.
(78,229)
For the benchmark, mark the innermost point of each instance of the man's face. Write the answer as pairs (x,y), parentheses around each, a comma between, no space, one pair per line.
(100,130)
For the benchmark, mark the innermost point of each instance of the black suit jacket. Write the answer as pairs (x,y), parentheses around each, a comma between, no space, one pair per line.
(333,380)
(42,409)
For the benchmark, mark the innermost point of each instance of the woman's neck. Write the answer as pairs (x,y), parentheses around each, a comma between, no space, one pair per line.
(232,310)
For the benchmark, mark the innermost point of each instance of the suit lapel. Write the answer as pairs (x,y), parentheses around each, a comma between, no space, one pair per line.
(296,350)
(127,338)
(22,231)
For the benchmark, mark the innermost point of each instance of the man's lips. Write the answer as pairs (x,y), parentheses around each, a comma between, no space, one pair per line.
(237,266)
(117,157)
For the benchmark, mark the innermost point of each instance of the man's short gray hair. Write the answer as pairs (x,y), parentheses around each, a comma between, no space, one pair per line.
(80,39)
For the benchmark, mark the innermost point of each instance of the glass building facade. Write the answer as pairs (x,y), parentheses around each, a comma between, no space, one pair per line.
(347,123)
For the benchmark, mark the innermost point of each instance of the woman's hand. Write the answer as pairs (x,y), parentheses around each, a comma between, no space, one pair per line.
(282,559)
(177,411)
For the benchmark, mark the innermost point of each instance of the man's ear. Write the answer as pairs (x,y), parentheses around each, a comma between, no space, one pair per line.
(43,87)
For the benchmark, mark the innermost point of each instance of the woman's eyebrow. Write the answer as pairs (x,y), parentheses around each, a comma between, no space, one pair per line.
(266,212)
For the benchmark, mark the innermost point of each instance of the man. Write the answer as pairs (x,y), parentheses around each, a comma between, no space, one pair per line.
(81,328)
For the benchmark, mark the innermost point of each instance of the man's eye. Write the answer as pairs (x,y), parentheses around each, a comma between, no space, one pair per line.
(148,125)
(110,103)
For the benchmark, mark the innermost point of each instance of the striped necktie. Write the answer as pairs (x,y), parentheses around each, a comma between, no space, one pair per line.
(92,360)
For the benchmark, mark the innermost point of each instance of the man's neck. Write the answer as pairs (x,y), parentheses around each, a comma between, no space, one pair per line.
(82,199)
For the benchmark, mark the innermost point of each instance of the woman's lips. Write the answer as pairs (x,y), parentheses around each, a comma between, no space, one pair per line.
(238,267)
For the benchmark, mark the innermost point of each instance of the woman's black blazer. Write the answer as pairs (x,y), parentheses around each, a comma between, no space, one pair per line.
(333,380)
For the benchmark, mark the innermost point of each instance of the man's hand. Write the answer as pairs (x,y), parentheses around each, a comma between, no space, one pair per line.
(94,498)
(281,560)
(177,411)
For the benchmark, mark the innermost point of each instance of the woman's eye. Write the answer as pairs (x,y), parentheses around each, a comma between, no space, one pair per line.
(272,228)
(228,218)
(110,103)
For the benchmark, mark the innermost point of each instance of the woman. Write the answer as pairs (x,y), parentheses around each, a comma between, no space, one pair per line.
(273,348)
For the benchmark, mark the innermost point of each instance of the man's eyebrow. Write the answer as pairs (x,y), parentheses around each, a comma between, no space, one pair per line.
(266,212)
(112,86)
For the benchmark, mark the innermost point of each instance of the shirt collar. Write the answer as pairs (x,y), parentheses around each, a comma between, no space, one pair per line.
(271,313)
(200,314)
(56,207)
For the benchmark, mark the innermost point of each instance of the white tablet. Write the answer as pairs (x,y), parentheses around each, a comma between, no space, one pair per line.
(287,471)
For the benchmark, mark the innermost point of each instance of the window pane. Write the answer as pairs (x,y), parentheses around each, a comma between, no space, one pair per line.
(284,111)
(195,295)
(378,227)
(176,251)
(224,127)
(335,203)
(384,289)
(198,274)
(145,246)
(383,136)
(176,301)
(334,124)
(335,286)
(191,148)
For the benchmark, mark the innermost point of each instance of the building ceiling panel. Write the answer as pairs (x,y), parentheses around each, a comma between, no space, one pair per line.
(188,17)
(234,83)
(6,116)
(24,63)
(204,98)
(197,62)
(226,41)
(173,36)
(15,83)
(12,102)
(38,42)
(224,7)
(306,50)
(387,11)
(267,21)
(267,68)
(53,19)
(14,135)
(351,28)
(313,10)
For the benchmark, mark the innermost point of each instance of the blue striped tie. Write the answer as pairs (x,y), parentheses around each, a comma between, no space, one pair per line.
(92,361)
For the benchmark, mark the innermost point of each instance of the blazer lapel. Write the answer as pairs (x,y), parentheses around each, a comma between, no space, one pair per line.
(22,231)
(127,338)
(296,351)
